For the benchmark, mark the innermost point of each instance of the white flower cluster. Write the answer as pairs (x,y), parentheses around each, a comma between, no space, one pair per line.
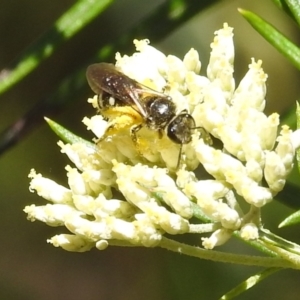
(158,200)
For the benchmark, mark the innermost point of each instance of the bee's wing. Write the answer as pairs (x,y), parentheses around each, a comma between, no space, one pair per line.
(146,91)
(105,77)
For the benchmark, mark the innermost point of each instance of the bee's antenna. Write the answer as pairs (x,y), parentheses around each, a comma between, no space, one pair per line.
(205,135)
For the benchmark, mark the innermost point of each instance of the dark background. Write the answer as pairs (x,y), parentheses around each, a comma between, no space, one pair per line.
(32,269)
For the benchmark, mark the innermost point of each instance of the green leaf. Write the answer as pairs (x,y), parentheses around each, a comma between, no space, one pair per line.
(249,283)
(298,126)
(293,219)
(294,7)
(274,37)
(66,135)
(72,21)
(291,7)
(283,6)
(280,3)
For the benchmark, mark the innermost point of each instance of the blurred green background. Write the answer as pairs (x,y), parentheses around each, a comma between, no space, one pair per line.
(32,269)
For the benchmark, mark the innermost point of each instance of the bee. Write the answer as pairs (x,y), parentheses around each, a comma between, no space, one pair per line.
(157,110)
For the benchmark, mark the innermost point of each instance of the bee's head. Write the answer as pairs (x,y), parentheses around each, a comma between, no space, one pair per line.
(179,130)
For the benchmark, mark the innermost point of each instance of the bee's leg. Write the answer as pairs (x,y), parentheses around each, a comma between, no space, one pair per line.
(160,133)
(205,135)
(109,130)
(133,131)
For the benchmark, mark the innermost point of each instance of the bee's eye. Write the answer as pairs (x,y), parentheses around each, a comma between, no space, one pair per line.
(180,128)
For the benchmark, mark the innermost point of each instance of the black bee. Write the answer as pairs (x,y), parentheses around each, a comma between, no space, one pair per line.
(157,110)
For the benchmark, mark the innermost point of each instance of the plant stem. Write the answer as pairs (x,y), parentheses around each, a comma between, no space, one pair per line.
(218,256)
